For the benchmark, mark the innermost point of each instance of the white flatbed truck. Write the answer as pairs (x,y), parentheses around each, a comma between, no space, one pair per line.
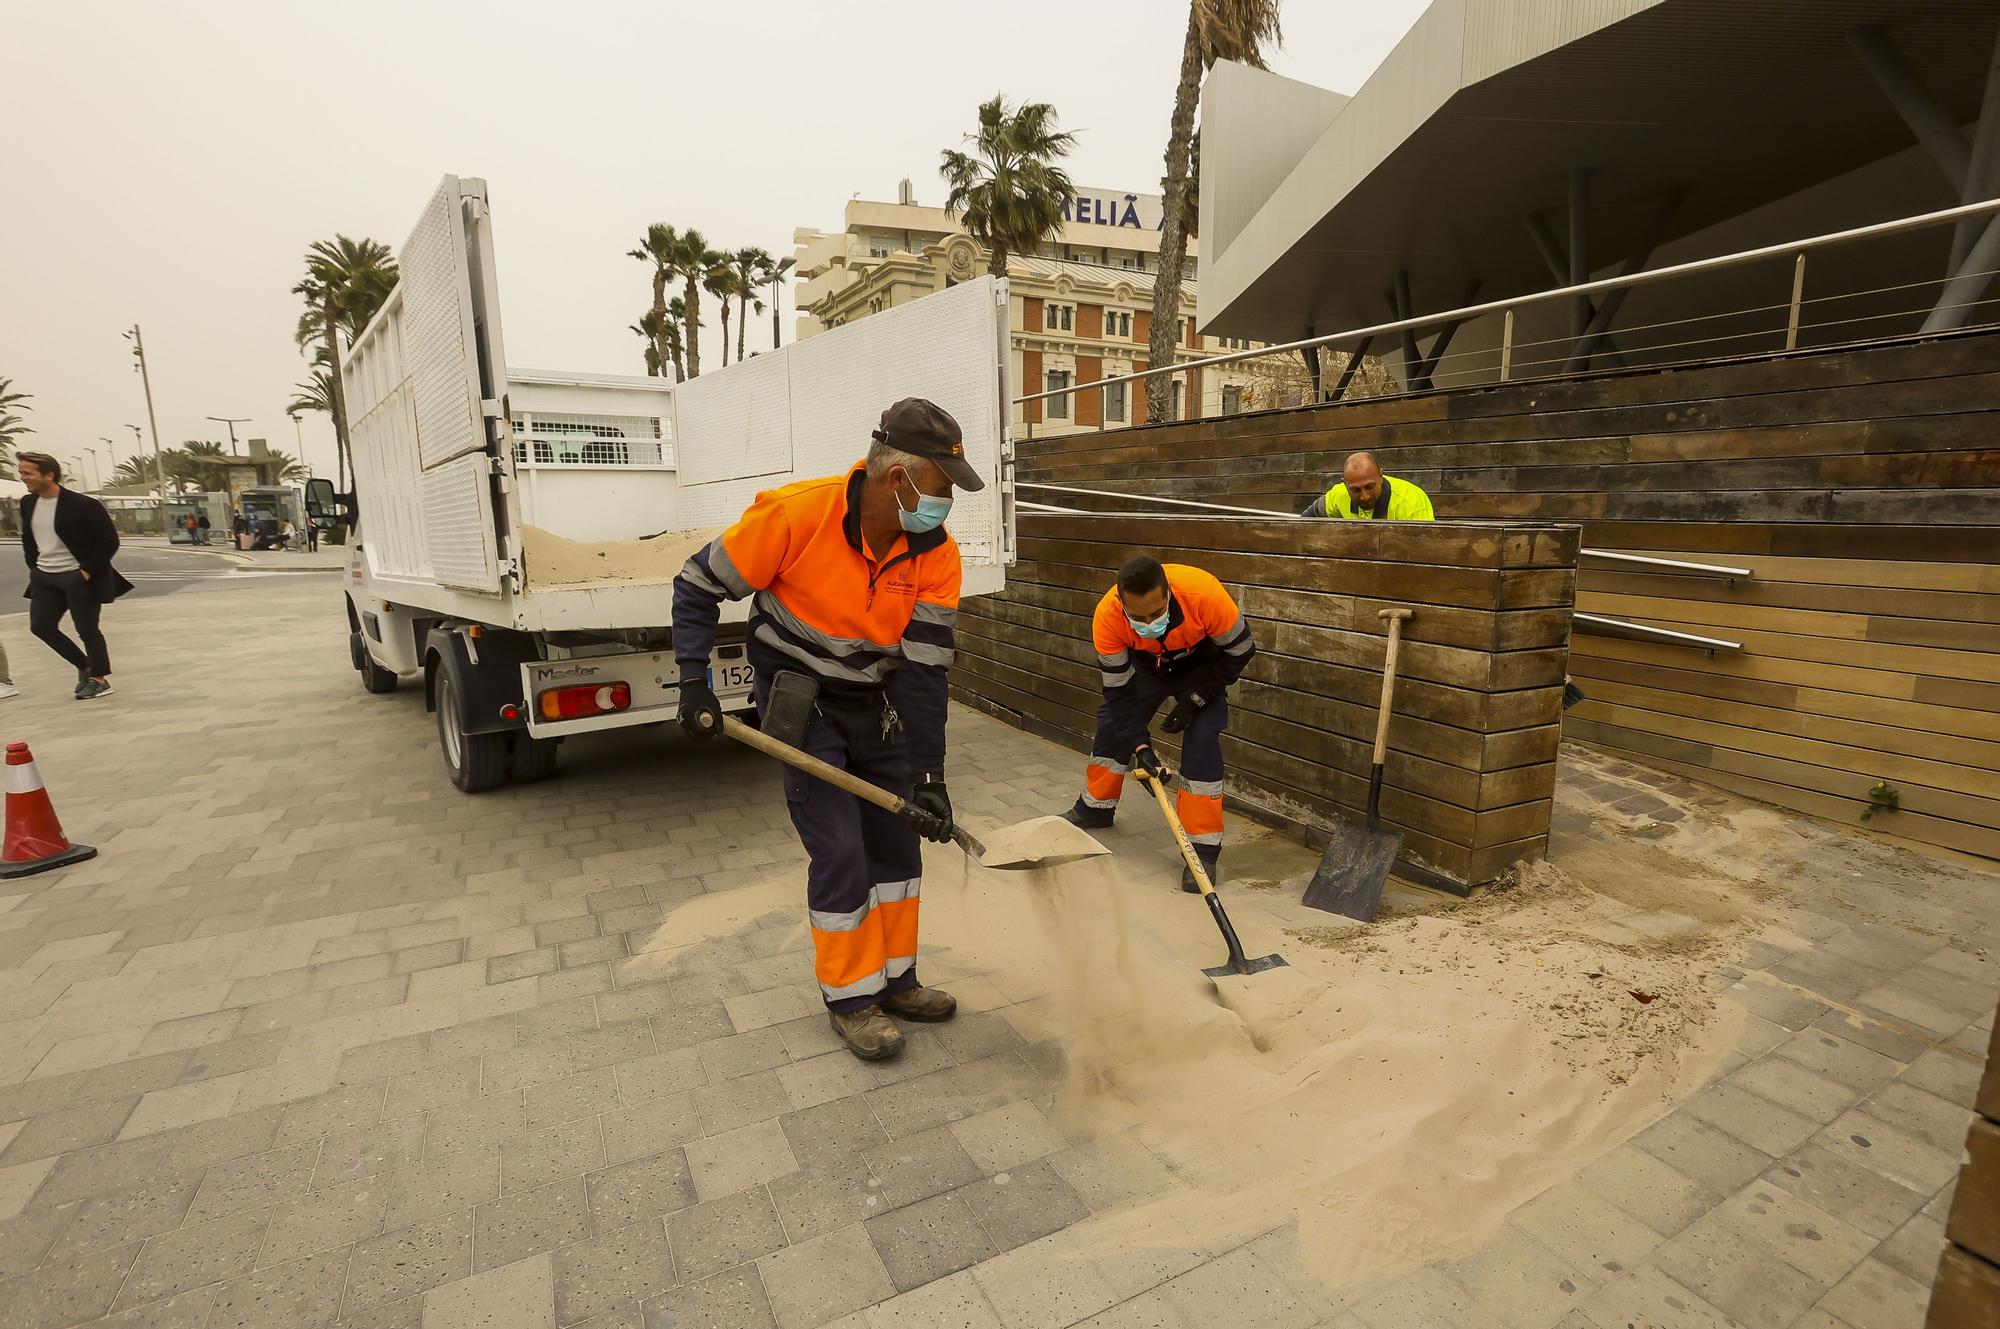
(518,531)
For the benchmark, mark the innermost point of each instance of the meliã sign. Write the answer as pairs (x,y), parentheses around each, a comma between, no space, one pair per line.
(1114,207)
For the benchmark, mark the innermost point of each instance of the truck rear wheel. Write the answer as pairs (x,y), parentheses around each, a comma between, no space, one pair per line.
(373,676)
(531,759)
(475,762)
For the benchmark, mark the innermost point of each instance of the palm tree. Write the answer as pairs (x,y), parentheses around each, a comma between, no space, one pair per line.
(648,330)
(747,275)
(290,467)
(671,340)
(134,473)
(1010,188)
(720,282)
(315,394)
(692,260)
(12,426)
(345,284)
(769,276)
(1216,30)
(658,249)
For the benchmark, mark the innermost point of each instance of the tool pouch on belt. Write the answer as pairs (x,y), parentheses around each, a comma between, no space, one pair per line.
(789,708)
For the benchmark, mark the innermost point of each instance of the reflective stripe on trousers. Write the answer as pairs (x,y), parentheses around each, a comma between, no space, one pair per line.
(864,878)
(1199,802)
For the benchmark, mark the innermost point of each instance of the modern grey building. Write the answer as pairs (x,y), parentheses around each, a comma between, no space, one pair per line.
(1511,146)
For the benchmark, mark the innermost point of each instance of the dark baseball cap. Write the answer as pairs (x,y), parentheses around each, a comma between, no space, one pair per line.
(925,429)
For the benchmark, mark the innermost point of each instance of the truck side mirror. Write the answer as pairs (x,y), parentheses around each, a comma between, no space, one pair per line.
(327,509)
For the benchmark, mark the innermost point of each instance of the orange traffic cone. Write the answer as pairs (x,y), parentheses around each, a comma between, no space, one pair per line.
(35,839)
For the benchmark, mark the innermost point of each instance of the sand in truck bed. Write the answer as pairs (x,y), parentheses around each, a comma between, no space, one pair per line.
(548,560)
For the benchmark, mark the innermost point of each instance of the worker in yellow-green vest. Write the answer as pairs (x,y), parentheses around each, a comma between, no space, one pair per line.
(1364,491)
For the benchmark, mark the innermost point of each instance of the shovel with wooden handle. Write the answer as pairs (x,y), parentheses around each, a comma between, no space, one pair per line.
(1356,864)
(1040,842)
(1237,964)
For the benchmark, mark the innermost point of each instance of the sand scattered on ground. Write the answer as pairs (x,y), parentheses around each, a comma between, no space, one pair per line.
(549,560)
(1401,1086)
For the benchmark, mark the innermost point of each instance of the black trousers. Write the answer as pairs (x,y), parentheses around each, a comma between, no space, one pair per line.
(53,594)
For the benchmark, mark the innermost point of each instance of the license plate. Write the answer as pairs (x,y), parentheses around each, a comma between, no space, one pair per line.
(731,680)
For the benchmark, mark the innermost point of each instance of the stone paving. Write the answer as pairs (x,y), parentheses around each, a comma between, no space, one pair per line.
(319,1040)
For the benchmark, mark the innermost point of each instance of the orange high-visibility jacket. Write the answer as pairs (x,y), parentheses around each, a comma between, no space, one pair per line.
(1208,642)
(825,605)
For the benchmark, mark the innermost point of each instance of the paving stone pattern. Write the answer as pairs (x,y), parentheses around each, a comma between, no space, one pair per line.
(318,1040)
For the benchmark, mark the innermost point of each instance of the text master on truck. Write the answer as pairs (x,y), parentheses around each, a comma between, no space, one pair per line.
(518,531)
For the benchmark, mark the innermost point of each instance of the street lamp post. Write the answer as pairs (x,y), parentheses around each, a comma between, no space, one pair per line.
(232,422)
(96,464)
(114,452)
(146,377)
(299,432)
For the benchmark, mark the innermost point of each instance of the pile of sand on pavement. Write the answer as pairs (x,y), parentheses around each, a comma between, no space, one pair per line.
(1402,1086)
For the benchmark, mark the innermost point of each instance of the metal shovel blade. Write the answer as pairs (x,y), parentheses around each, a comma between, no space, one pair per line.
(1353,871)
(1245,967)
(1039,842)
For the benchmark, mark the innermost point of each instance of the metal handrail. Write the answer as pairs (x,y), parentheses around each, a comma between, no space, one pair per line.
(1709,569)
(1615,626)
(1982,208)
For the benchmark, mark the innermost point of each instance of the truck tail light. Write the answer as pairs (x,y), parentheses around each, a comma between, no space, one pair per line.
(589,699)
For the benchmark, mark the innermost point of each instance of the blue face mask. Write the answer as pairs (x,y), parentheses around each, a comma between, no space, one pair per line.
(1156,629)
(929,514)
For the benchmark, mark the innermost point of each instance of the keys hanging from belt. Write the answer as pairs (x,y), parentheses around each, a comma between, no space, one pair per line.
(891,721)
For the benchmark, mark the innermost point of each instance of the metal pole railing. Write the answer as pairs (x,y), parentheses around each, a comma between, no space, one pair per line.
(1646,276)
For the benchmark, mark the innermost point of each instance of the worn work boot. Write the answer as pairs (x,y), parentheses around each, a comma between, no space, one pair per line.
(869,1034)
(1214,871)
(1089,818)
(930,1005)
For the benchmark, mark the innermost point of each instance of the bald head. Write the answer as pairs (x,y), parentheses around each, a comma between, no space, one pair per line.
(1363,479)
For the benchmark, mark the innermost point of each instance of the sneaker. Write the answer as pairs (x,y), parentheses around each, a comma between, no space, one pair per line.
(83,680)
(8,690)
(869,1034)
(1089,818)
(928,1005)
(92,690)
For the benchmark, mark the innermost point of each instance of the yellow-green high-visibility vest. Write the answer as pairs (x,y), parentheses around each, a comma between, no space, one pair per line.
(1406,502)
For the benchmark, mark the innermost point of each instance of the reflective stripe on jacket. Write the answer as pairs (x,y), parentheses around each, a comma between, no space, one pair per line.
(1406,503)
(825,605)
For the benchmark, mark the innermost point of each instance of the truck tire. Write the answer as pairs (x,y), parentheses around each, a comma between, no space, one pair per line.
(531,759)
(475,762)
(373,676)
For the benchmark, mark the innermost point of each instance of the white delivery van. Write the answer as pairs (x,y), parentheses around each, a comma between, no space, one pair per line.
(518,531)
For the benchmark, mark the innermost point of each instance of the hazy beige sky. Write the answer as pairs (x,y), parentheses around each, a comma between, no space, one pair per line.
(168,164)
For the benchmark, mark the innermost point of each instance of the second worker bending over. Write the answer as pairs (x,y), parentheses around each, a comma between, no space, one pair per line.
(1165,631)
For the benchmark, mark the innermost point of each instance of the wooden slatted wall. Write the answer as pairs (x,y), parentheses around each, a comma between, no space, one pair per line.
(1861,487)
(1473,738)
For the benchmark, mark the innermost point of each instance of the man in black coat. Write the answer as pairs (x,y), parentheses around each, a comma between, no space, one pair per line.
(68,540)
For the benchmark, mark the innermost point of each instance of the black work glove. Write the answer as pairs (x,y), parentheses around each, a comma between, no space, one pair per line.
(934,806)
(1149,761)
(1181,716)
(1204,687)
(701,713)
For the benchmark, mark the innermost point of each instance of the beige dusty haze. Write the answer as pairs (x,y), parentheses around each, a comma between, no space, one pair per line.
(169,164)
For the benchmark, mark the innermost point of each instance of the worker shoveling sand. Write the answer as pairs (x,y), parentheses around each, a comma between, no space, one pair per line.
(1404,1086)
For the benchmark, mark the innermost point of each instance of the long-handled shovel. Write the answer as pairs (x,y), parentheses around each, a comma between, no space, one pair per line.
(1040,842)
(1356,864)
(1237,963)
